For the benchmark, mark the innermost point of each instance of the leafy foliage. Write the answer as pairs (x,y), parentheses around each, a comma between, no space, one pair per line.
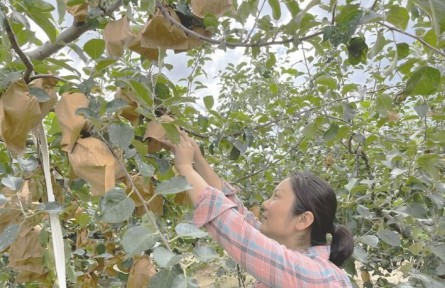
(350,91)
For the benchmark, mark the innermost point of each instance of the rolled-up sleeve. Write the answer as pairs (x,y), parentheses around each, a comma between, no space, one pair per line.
(211,204)
(230,192)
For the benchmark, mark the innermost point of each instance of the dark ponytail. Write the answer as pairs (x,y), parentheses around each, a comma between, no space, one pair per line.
(315,195)
(342,245)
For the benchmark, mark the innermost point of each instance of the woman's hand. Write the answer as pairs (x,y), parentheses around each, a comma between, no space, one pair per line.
(184,152)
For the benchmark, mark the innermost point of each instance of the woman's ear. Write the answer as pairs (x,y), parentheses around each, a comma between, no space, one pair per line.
(304,220)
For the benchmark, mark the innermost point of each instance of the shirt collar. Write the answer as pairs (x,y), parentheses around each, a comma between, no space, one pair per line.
(322,251)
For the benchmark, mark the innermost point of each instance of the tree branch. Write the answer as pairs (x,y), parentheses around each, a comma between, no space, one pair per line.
(38,76)
(392,28)
(167,15)
(15,46)
(67,36)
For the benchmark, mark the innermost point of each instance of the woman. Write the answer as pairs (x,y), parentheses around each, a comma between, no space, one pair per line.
(288,248)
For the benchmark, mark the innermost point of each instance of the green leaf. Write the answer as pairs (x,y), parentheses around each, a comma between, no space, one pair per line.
(234,153)
(402,50)
(389,237)
(429,163)
(421,109)
(146,170)
(357,50)
(360,254)
(276,9)
(116,105)
(165,277)
(210,20)
(121,135)
(364,212)
(292,6)
(205,253)
(239,145)
(383,104)
(271,61)
(172,133)
(8,236)
(116,207)
(174,185)
(165,258)
(208,102)
(326,80)
(331,132)
(43,20)
(142,92)
(137,239)
(310,130)
(51,207)
(398,16)
(12,182)
(424,81)
(94,48)
(378,45)
(104,63)
(189,230)
(61,10)
(28,165)
(370,240)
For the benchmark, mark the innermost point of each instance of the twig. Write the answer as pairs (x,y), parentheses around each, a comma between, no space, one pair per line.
(138,194)
(256,21)
(167,15)
(38,76)
(412,36)
(15,46)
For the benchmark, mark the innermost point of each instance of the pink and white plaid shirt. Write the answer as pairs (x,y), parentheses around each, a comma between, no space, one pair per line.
(272,264)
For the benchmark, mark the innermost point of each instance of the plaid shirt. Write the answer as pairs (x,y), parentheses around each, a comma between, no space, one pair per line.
(271,263)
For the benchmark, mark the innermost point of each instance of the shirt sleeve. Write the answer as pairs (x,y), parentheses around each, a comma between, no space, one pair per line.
(269,262)
(230,192)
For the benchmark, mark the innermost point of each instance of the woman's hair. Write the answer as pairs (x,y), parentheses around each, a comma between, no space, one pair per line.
(315,195)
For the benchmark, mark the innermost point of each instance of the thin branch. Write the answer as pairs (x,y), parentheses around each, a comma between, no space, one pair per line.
(38,76)
(67,36)
(15,46)
(167,15)
(413,36)
(256,21)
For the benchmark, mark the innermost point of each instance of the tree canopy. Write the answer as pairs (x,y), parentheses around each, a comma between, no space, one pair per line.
(350,90)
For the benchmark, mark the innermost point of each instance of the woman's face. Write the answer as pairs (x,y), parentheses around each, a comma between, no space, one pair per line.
(277,221)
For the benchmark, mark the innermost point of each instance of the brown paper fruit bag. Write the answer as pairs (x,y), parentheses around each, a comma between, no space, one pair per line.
(141,272)
(136,46)
(19,113)
(128,112)
(117,35)
(159,32)
(70,123)
(26,255)
(93,162)
(147,191)
(155,133)
(46,84)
